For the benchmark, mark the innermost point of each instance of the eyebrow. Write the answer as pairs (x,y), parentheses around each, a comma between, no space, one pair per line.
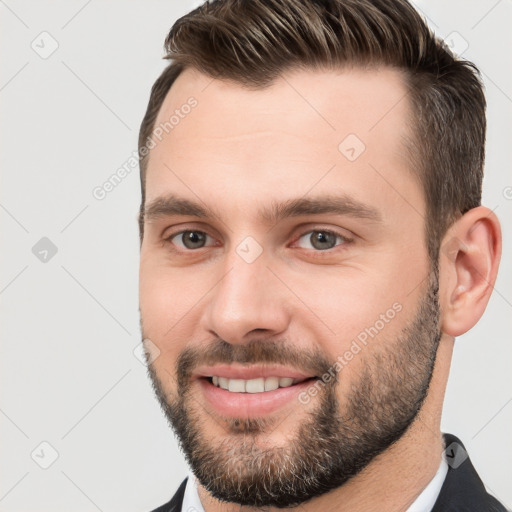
(171,205)
(328,204)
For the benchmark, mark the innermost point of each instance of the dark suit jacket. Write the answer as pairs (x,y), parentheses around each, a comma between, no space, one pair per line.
(462,491)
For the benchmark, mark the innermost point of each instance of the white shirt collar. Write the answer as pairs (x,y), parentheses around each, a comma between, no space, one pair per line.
(423,503)
(191,501)
(426,500)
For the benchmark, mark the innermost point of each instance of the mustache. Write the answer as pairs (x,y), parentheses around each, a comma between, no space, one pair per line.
(256,351)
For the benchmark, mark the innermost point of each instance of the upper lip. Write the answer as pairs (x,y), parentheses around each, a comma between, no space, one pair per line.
(236,371)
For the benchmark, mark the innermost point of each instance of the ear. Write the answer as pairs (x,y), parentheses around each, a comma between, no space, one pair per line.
(468,265)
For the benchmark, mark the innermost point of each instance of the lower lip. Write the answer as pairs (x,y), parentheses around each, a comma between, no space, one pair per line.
(250,405)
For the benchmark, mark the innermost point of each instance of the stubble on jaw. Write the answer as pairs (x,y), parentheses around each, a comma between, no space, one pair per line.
(332,443)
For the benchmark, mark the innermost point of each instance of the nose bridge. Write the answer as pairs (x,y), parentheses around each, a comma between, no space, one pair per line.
(246,298)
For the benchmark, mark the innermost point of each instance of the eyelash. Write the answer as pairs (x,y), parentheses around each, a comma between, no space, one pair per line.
(344,239)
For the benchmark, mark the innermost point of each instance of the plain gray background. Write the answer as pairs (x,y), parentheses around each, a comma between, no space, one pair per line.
(69,376)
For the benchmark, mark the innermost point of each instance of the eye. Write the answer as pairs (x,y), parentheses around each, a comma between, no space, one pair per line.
(321,240)
(189,239)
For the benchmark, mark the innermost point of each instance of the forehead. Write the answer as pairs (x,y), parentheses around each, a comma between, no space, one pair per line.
(286,137)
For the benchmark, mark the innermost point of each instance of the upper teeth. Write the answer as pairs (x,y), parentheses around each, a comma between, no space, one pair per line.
(252,385)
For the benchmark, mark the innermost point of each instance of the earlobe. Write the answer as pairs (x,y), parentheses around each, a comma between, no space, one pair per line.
(469,261)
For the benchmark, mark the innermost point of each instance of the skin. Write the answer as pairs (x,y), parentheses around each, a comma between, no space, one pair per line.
(284,140)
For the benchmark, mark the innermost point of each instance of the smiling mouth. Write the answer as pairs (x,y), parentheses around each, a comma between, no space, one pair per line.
(258,385)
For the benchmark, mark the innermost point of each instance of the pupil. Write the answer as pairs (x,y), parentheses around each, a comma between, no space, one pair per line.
(193,239)
(323,240)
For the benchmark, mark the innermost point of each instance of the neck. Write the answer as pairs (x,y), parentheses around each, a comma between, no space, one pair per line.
(395,478)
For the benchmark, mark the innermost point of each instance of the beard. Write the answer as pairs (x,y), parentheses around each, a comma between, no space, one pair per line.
(332,443)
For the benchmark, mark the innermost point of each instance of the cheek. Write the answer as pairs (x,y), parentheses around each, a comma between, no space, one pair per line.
(348,300)
(356,314)
(360,327)
(166,294)
(166,299)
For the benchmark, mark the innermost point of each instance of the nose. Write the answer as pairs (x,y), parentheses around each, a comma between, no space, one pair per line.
(248,300)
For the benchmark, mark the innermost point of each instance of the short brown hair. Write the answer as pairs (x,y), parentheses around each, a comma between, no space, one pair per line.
(252,42)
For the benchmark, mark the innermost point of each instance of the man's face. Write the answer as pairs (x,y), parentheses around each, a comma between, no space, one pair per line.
(303,257)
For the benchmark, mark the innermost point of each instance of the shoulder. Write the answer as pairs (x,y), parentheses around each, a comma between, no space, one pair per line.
(174,504)
(463,490)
